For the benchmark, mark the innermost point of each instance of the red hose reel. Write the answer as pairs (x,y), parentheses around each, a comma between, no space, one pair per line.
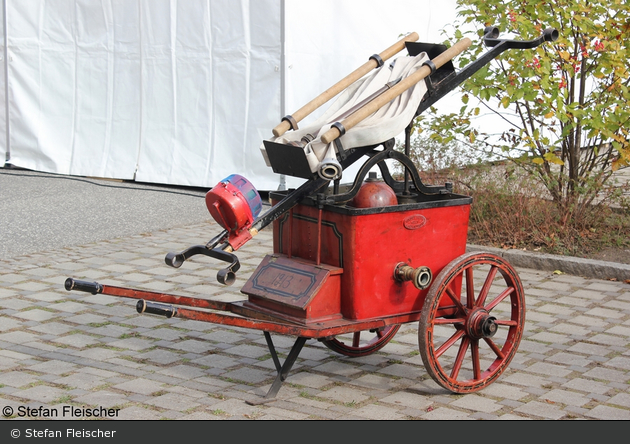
(234,204)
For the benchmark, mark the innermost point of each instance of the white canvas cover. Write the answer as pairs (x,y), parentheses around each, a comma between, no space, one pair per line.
(386,123)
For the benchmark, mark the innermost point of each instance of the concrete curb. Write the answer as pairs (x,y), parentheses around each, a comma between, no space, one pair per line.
(550,262)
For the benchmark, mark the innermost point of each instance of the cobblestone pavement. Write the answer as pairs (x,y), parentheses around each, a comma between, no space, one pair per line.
(60,348)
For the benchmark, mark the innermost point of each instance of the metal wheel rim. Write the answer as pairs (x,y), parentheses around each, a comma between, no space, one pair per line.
(355,349)
(433,349)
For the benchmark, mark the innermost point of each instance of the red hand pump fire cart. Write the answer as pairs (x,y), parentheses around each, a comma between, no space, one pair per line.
(353,262)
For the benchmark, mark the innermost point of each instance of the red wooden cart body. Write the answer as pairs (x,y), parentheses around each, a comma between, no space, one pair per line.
(354,252)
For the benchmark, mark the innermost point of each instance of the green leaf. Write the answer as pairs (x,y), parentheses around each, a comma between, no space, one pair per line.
(551,157)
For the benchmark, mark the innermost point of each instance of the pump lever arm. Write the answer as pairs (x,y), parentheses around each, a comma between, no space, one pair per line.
(225,276)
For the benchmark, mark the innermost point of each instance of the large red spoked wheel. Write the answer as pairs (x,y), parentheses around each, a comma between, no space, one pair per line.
(362,343)
(472,322)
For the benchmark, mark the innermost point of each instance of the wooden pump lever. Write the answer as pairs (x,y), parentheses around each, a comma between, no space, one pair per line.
(324,97)
(396,90)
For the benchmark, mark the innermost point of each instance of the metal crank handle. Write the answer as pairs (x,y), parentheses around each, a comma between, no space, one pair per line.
(226,276)
(176,260)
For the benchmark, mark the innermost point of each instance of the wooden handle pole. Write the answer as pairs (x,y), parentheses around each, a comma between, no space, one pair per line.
(324,97)
(406,83)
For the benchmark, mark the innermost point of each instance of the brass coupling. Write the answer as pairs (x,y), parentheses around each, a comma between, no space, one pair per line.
(421,276)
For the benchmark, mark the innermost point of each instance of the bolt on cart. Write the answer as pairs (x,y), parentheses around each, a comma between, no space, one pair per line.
(352,262)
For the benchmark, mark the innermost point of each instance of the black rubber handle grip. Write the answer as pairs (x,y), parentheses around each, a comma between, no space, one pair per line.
(155,308)
(88,287)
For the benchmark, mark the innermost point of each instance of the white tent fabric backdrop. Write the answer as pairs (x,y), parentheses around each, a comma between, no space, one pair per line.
(179,92)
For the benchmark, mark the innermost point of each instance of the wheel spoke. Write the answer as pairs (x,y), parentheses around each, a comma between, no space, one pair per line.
(356,339)
(483,294)
(445,321)
(459,360)
(470,288)
(455,300)
(474,351)
(509,323)
(453,339)
(497,351)
(505,293)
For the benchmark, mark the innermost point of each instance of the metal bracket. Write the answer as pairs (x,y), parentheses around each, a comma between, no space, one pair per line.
(283,370)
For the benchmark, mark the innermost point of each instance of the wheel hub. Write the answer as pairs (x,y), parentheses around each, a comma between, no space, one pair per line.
(481,325)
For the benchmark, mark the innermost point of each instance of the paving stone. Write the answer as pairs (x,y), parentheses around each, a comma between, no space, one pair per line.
(620,399)
(97,354)
(608,413)
(9,324)
(45,296)
(234,407)
(541,410)
(159,356)
(17,379)
(86,318)
(136,413)
(216,361)
(565,397)
(78,340)
(81,380)
(344,395)
(40,393)
(337,368)
(477,403)
(568,359)
(112,330)
(589,321)
(173,401)
(604,313)
(375,381)
(53,328)
(609,340)
(590,349)
(550,337)
(135,344)
(101,299)
(18,337)
(247,375)
(167,334)
(102,398)
(548,369)
(378,412)
(141,386)
(607,374)
(247,351)
(31,286)
(183,372)
(406,399)
(53,366)
(619,362)
(587,385)
(400,370)
(193,345)
(445,414)
(70,307)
